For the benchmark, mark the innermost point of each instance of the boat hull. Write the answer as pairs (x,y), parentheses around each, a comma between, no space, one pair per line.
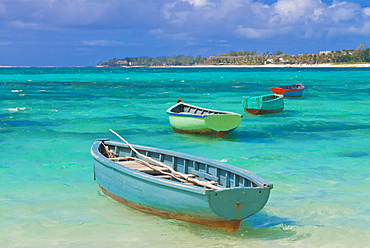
(295,90)
(263,111)
(261,105)
(223,208)
(186,118)
(218,125)
(227,225)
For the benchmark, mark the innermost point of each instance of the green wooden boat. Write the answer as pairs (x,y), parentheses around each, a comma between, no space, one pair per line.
(260,105)
(186,118)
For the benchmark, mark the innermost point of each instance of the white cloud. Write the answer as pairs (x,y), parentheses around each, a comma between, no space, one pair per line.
(256,20)
(262,33)
(337,3)
(25,25)
(190,19)
(297,10)
(177,12)
(197,3)
(102,43)
(344,11)
(205,12)
(80,12)
(367,11)
(254,33)
(363,30)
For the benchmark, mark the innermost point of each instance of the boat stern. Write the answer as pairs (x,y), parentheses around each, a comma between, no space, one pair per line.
(226,122)
(238,203)
(293,93)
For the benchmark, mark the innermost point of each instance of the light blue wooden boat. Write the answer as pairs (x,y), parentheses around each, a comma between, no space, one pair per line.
(215,194)
(186,118)
(260,105)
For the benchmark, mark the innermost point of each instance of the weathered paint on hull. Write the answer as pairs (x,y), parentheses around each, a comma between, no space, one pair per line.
(181,199)
(261,105)
(223,208)
(226,225)
(218,125)
(263,111)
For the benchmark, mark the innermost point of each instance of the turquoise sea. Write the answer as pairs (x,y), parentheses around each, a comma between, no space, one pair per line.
(316,153)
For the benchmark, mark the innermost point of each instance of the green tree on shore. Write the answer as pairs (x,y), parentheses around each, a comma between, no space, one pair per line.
(359,55)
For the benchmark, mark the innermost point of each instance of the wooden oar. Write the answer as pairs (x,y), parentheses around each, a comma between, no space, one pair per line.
(187,177)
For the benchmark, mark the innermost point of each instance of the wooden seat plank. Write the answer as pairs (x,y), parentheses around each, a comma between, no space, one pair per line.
(141,167)
(164,176)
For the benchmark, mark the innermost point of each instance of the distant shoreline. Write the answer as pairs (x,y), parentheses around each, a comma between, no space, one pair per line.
(277,66)
(248,66)
(346,58)
(360,65)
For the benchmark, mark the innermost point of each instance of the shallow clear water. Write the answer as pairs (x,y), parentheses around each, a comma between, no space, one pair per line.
(316,153)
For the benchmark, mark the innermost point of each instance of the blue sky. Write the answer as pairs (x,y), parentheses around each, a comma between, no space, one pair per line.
(86,32)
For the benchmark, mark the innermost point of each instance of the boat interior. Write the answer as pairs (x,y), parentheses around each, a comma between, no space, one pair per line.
(251,100)
(293,87)
(271,97)
(188,109)
(204,172)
